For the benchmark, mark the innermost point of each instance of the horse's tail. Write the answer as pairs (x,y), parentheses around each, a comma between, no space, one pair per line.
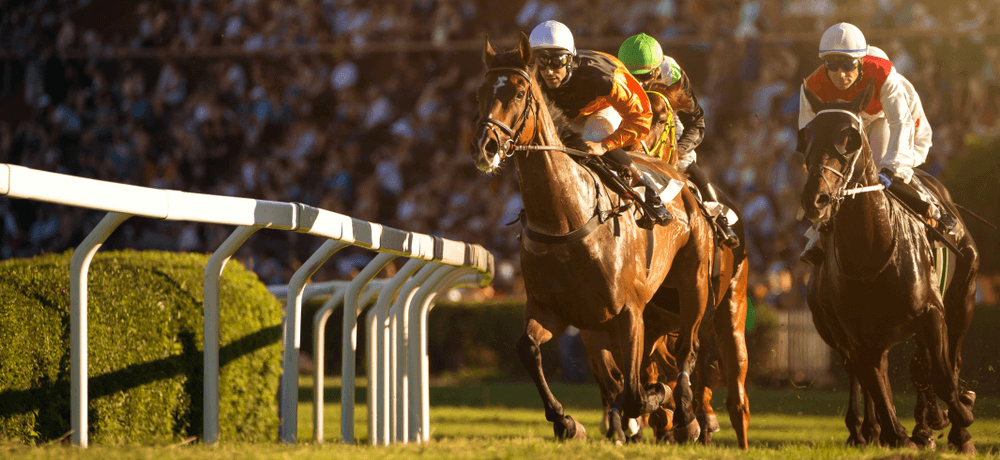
(977,216)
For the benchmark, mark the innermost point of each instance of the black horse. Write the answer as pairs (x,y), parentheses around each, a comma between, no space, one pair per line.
(879,286)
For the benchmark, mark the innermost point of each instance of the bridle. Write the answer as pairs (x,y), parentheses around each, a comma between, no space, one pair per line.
(668,133)
(843,191)
(510,146)
(837,195)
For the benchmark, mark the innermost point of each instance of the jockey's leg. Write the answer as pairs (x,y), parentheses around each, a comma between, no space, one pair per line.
(814,252)
(619,160)
(708,194)
(600,125)
(909,195)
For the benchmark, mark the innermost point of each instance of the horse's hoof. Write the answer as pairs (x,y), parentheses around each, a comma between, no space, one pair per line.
(923,440)
(855,441)
(709,423)
(968,398)
(615,432)
(705,438)
(634,427)
(569,428)
(967,448)
(689,433)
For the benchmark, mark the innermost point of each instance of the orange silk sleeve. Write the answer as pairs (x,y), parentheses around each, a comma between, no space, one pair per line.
(629,100)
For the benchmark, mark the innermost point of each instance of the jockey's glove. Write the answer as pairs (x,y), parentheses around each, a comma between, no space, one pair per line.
(885,177)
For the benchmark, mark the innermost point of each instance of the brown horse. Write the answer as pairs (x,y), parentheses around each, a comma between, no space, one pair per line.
(727,314)
(584,259)
(879,286)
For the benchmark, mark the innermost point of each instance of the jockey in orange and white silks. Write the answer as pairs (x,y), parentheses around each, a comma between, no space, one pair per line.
(592,88)
(897,128)
(601,97)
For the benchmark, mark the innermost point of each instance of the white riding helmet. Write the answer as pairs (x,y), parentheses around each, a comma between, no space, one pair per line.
(552,35)
(843,39)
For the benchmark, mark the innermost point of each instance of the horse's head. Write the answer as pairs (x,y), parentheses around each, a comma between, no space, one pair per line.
(664,100)
(832,144)
(506,101)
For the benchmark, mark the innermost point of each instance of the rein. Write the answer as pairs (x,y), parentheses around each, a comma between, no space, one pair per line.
(669,130)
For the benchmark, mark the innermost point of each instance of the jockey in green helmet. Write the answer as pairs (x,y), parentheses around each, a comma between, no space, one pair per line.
(643,57)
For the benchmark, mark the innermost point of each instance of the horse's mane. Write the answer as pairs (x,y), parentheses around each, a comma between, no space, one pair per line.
(569,136)
(675,95)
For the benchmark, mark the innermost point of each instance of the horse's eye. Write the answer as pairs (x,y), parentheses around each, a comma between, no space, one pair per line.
(520,94)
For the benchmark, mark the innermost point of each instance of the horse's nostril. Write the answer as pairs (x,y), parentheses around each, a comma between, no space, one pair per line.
(822,200)
(492,146)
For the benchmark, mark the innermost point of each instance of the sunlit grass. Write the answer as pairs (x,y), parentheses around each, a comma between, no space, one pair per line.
(481,418)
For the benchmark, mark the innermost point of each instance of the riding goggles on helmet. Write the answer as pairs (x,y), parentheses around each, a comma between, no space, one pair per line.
(838,65)
(554,61)
(644,77)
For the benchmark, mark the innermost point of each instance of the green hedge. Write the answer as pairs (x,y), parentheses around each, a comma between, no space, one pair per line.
(145,349)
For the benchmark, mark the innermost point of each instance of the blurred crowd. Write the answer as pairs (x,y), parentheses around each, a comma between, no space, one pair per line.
(382,135)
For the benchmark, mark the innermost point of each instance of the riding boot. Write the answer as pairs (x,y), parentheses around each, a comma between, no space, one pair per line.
(708,194)
(814,254)
(652,204)
(909,195)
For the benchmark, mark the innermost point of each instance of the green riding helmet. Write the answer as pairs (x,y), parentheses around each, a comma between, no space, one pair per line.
(642,54)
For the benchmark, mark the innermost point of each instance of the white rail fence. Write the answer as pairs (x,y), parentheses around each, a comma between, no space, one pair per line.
(396,326)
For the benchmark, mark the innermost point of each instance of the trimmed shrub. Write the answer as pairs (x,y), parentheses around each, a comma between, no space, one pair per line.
(145,313)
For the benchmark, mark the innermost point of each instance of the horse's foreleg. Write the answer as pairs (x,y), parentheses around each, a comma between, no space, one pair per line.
(871,367)
(528,350)
(959,305)
(693,303)
(626,330)
(852,418)
(706,374)
(730,333)
(609,381)
(928,414)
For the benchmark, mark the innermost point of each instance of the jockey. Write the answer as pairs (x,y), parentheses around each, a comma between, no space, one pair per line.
(596,91)
(643,57)
(898,131)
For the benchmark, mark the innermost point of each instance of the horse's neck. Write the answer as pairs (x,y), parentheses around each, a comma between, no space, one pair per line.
(557,193)
(864,232)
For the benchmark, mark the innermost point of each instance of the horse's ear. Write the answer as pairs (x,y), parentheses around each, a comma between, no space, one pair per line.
(865,97)
(802,143)
(524,46)
(489,56)
(811,97)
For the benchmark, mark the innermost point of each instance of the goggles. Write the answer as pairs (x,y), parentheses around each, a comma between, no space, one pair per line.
(644,77)
(841,65)
(554,61)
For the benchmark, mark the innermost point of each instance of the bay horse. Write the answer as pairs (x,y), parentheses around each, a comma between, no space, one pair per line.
(879,286)
(584,260)
(726,312)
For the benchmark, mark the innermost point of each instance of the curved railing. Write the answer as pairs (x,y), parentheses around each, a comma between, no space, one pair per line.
(450,262)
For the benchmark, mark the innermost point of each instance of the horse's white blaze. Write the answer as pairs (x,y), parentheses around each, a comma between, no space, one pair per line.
(501,82)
